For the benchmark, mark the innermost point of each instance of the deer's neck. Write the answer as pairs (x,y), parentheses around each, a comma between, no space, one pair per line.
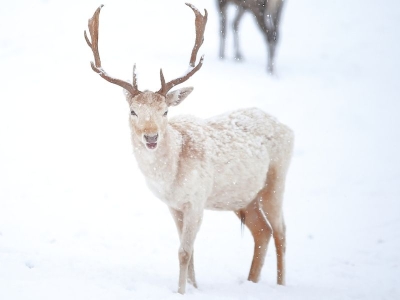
(159,165)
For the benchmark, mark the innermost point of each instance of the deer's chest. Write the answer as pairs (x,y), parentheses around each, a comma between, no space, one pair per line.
(180,191)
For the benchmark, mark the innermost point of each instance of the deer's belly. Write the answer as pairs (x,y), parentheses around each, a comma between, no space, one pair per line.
(235,191)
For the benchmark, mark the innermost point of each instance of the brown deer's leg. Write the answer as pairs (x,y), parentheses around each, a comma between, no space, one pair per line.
(222,6)
(236,21)
(271,57)
(271,202)
(254,219)
(272,19)
(271,36)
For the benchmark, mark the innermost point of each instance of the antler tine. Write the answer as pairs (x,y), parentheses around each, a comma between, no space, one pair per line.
(134,84)
(200,23)
(93,25)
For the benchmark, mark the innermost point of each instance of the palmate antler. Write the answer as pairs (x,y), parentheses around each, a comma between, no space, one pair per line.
(93,25)
(200,24)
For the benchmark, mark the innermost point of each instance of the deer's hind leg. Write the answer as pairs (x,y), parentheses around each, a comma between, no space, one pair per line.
(253,217)
(236,21)
(222,7)
(271,203)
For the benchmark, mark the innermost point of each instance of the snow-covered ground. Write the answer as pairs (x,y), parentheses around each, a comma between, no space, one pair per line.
(76,219)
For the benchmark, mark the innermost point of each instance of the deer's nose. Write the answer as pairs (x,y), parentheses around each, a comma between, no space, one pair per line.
(151,138)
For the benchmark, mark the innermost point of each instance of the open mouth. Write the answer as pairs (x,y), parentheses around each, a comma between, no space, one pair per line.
(151,141)
(151,146)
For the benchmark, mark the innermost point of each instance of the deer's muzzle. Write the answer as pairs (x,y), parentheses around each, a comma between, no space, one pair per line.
(151,141)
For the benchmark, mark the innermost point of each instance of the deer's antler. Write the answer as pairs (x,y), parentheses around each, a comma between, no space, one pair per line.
(93,25)
(200,24)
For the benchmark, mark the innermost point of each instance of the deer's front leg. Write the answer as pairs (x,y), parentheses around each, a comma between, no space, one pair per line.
(223,12)
(191,221)
(236,21)
(178,218)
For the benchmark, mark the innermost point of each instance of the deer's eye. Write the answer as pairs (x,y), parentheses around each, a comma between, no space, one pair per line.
(133,113)
(166,113)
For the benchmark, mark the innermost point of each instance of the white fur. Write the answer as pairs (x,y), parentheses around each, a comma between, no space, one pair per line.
(219,163)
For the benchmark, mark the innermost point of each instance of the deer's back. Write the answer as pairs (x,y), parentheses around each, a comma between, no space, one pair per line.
(234,151)
(256,6)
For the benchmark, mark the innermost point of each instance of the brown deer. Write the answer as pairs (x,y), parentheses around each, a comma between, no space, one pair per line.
(236,161)
(267,14)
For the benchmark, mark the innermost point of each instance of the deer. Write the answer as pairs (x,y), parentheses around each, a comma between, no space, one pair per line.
(267,14)
(236,161)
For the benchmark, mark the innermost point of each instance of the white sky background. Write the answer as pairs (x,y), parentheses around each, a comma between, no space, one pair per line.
(76,220)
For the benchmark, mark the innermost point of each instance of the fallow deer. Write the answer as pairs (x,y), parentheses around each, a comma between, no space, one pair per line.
(236,161)
(267,14)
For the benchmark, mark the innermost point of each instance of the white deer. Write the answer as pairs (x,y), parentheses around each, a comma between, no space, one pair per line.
(237,161)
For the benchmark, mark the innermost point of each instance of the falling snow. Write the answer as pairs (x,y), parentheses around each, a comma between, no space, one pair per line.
(77,220)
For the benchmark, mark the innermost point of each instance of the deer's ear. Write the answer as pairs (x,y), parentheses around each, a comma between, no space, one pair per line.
(175,97)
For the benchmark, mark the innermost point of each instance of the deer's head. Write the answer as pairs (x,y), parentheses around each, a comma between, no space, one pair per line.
(148,109)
